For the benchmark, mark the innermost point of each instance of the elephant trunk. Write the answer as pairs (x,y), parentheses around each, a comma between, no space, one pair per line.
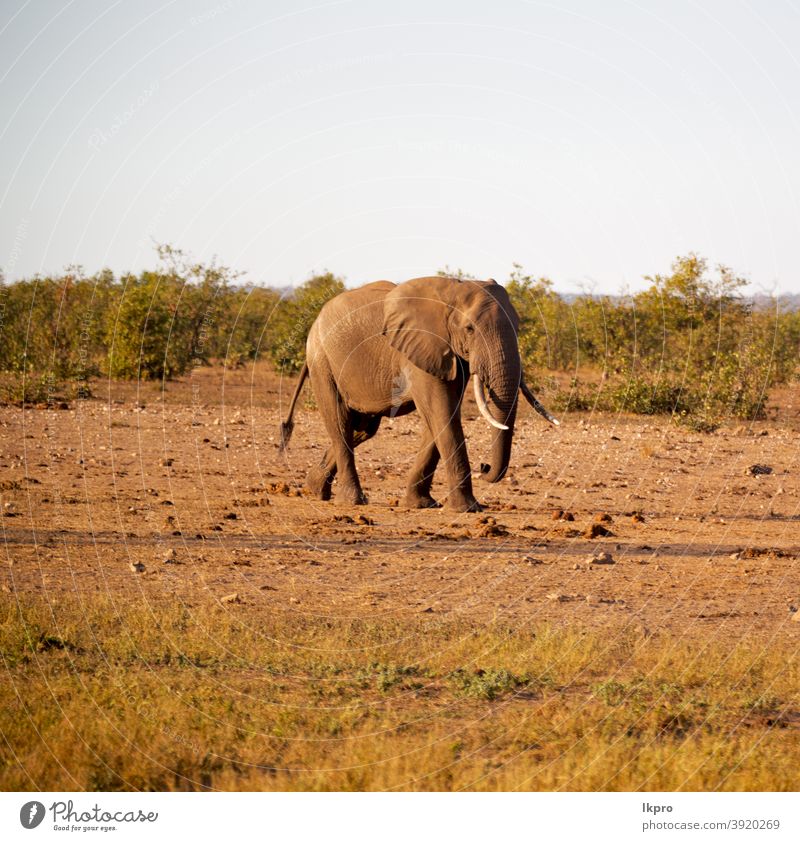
(502,377)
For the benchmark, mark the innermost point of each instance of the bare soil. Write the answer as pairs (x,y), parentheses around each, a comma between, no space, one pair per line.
(187,480)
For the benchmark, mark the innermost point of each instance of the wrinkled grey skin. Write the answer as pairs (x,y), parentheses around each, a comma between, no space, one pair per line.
(384,350)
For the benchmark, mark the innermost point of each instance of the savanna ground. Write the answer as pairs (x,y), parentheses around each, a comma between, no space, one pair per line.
(176,614)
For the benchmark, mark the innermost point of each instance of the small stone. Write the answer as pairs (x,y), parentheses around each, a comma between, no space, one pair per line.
(597,530)
(758,470)
(137,567)
(529,559)
(170,556)
(600,558)
(231,598)
(557,597)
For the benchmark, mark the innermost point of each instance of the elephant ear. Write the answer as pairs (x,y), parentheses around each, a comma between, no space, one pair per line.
(415,322)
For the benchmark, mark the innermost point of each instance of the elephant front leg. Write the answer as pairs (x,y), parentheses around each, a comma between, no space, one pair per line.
(460,496)
(418,493)
(440,405)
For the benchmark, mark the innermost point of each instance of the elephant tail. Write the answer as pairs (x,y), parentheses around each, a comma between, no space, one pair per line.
(287,427)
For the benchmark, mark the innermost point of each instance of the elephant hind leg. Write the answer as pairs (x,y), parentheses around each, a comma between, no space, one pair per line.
(320,478)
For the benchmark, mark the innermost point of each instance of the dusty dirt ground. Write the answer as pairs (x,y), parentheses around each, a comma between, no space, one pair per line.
(188,481)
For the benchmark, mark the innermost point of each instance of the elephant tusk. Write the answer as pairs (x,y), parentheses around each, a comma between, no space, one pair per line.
(528,395)
(480,399)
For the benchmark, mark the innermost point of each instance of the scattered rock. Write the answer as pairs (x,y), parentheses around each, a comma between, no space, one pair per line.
(758,470)
(358,520)
(170,557)
(603,518)
(753,552)
(231,515)
(636,517)
(137,567)
(564,516)
(489,527)
(570,532)
(529,559)
(600,559)
(597,530)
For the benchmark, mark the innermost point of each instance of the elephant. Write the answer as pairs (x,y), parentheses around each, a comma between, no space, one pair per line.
(386,349)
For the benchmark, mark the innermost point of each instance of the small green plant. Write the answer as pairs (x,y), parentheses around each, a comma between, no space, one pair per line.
(487,684)
(611,692)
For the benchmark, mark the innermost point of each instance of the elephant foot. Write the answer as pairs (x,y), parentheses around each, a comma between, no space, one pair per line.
(465,505)
(415,500)
(319,484)
(351,496)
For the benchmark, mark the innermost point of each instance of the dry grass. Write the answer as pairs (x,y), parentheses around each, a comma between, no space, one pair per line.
(103,695)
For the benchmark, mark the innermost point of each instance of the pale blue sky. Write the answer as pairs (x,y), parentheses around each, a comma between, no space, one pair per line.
(591,142)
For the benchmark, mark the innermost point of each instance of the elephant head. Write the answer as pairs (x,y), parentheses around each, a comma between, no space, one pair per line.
(437,321)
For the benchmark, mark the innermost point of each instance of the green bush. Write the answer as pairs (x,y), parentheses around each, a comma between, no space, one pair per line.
(294,317)
(689,344)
